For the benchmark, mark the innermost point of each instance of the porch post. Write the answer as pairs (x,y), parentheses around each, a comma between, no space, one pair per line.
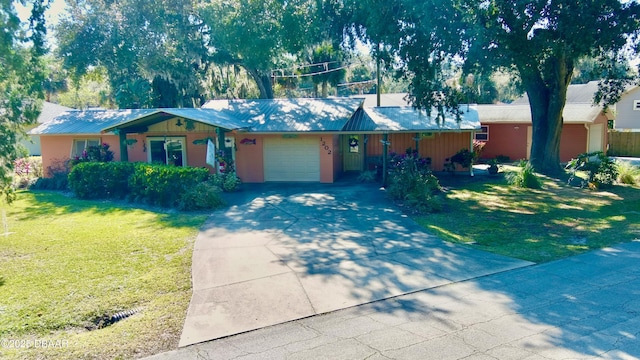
(124,152)
(220,136)
(471,136)
(385,149)
(221,147)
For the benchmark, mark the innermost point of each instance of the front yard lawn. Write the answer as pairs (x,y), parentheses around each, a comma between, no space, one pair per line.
(536,225)
(68,265)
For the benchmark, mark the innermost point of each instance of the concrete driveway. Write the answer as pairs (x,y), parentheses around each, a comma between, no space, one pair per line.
(288,251)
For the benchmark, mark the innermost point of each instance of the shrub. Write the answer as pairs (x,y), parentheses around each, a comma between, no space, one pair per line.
(228,181)
(525,178)
(58,179)
(96,180)
(164,185)
(411,181)
(203,196)
(26,171)
(464,158)
(601,170)
(627,173)
(96,153)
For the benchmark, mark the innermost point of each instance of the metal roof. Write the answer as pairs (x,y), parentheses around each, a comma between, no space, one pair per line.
(573,113)
(87,121)
(395,99)
(409,119)
(288,115)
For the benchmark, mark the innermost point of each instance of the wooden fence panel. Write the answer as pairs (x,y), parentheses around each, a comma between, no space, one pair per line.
(624,143)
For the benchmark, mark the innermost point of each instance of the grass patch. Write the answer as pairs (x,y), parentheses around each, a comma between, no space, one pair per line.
(538,225)
(67,263)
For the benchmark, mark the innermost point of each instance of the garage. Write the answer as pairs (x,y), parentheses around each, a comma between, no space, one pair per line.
(291,159)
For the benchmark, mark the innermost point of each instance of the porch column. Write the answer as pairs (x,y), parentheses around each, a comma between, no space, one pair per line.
(385,149)
(124,152)
(471,136)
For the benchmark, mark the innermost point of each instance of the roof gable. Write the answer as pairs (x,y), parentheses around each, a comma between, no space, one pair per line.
(410,119)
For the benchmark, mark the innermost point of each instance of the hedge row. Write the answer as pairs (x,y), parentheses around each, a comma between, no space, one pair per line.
(162,185)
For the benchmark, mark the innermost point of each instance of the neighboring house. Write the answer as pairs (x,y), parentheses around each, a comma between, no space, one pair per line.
(507,129)
(270,140)
(628,111)
(48,113)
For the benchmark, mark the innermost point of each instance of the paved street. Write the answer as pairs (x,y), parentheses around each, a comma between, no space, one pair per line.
(583,307)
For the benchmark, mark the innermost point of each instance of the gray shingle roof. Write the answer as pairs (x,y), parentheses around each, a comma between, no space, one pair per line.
(576,93)
(289,115)
(409,119)
(50,111)
(573,113)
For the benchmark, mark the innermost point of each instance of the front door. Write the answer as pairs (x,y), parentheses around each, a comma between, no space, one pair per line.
(167,150)
(352,150)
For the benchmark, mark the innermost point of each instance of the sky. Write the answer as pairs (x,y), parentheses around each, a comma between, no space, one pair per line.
(56,9)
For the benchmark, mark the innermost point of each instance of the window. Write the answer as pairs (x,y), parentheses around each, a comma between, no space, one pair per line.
(482,134)
(636,104)
(80,145)
(169,151)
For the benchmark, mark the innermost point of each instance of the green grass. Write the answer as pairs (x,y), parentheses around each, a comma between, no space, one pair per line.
(536,225)
(65,263)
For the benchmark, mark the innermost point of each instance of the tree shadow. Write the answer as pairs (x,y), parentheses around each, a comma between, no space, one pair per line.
(351,242)
(48,203)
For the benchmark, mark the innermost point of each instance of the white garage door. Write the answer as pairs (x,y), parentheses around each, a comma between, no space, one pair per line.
(292,159)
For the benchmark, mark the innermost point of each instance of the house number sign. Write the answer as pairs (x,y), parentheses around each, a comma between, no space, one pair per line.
(325,146)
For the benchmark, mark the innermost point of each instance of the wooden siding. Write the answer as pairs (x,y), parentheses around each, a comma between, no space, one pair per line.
(438,147)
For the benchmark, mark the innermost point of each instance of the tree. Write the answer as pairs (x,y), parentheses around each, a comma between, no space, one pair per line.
(21,79)
(537,41)
(157,47)
(541,41)
(257,34)
(327,67)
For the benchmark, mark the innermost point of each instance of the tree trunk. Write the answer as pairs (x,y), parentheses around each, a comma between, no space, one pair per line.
(547,100)
(325,89)
(264,83)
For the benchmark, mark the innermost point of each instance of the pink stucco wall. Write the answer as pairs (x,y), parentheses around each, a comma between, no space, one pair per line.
(250,158)
(327,157)
(56,149)
(511,140)
(506,140)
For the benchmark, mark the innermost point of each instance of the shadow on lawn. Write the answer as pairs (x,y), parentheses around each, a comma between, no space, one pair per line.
(557,220)
(49,203)
(352,240)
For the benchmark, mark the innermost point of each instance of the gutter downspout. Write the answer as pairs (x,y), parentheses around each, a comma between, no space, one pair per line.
(586,126)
